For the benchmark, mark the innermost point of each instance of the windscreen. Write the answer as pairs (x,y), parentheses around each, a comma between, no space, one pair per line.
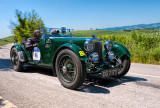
(56,32)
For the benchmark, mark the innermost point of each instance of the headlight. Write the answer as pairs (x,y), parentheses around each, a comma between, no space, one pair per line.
(111,55)
(94,57)
(108,45)
(89,45)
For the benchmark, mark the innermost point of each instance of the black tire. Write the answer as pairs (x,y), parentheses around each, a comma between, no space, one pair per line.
(16,63)
(126,62)
(68,79)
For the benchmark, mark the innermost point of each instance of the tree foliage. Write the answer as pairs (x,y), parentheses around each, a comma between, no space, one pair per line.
(26,24)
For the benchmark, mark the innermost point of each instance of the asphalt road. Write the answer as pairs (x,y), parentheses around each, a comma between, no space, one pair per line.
(37,88)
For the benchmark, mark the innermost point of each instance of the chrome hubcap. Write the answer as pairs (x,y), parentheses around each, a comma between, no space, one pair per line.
(64,69)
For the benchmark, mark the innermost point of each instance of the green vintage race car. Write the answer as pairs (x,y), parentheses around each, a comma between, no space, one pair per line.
(73,58)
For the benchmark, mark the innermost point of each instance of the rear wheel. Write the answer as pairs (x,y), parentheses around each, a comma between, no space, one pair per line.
(69,69)
(16,63)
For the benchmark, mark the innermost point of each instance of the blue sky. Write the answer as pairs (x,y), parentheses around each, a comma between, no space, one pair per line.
(82,14)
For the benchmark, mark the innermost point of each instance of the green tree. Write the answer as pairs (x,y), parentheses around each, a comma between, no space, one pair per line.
(26,24)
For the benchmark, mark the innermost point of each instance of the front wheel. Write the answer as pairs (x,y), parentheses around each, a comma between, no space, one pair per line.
(16,63)
(124,67)
(69,69)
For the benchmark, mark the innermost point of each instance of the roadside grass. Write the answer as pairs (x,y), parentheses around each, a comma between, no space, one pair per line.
(6,40)
(144,44)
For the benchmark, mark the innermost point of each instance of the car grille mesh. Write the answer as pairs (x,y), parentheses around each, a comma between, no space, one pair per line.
(98,49)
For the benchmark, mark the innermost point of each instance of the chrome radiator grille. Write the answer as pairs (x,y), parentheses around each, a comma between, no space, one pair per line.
(98,49)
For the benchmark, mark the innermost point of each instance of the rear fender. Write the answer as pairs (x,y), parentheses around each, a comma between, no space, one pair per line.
(18,47)
(21,53)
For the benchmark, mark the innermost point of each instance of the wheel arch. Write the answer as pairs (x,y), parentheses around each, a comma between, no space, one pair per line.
(17,46)
(121,50)
(21,52)
(72,47)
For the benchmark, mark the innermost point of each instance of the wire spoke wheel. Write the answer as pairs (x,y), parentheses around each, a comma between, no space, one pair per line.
(123,68)
(17,64)
(67,68)
(14,58)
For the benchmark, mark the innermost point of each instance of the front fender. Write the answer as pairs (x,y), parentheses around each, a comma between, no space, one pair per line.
(120,50)
(76,49)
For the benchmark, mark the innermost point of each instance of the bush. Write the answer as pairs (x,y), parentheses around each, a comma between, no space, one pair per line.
(27,23)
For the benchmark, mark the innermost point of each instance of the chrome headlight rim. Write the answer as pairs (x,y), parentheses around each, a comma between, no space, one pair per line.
(94,56)
(108,45)
(89,46)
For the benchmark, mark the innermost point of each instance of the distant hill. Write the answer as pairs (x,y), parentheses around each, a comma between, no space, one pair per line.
(7,40)
(133,27)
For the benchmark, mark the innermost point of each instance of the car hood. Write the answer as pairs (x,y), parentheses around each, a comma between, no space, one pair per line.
(79,41)
(73,39)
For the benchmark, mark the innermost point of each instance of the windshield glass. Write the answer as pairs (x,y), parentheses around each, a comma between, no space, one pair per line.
(56,32)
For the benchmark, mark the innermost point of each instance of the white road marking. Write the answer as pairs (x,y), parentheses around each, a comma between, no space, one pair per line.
(6,104)
(146,75)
